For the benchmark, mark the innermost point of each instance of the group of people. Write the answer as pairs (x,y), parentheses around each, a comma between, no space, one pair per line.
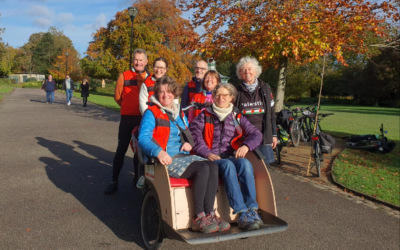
(68,85)
(232,122)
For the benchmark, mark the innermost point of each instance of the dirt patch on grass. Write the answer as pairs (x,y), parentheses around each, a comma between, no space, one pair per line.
(295,160)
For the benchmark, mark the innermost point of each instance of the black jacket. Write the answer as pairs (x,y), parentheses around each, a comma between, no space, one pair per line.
(85,90)
(64,85)
(269,119)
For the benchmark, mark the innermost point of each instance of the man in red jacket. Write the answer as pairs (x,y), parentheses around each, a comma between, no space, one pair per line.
(127,97)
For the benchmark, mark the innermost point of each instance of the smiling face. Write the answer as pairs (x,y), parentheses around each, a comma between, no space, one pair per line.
(50,78)
(201,69)
(165,97)
(248,73)
(160,68)
(223,98)
(139,62)
(210,82)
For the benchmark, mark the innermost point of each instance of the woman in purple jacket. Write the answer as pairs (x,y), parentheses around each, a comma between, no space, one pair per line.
(223,135)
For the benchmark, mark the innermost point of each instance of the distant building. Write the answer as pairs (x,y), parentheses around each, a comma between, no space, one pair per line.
(211,66)
(20,78)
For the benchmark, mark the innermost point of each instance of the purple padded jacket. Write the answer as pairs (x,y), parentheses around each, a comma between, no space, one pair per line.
(224,132)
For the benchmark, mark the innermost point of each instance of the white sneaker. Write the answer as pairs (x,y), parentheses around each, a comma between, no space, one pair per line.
(68,103)
(140,183)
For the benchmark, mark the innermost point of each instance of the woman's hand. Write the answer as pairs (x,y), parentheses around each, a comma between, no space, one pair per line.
(186,147)
(213,157)
(242,151)
(164,158)
(274,142)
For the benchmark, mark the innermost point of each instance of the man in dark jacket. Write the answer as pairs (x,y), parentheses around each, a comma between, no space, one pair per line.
(194,86)
(68,86)
(49,86)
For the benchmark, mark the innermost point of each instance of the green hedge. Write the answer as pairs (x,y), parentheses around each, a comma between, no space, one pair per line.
(33,85)
(97,82)
(107,89)
(7,81)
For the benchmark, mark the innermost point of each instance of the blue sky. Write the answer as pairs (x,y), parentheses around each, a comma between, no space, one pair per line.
(79,19)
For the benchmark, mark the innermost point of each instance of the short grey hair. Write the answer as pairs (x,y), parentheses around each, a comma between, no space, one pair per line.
(231,89)
(243,61)
(139,51)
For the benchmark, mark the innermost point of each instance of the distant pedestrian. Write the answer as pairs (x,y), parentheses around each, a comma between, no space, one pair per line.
(68,86)
(84,91)
(49,86)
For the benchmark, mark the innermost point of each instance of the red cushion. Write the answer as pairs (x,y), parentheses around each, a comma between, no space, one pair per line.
(175,182)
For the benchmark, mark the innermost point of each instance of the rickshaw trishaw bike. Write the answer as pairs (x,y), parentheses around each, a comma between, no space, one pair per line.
(167,206)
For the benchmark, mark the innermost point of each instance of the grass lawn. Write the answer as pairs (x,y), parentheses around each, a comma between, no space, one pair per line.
(5,90)
(102,99)
(358,120)
(374,174)
(1,96)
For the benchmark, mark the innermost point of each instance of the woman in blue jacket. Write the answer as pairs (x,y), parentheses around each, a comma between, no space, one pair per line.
(160,137)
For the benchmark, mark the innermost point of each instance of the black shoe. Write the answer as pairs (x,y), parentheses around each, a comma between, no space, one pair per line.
(112,188)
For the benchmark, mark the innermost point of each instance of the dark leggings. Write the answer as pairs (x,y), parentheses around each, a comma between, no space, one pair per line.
(126,125)
(84,100)
(204,175)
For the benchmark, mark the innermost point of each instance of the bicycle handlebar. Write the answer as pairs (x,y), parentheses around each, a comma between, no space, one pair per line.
(195,105)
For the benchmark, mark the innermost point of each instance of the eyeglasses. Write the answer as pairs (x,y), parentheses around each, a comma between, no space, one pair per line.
(210,78)
(222,96)
(161,68)
(199,68)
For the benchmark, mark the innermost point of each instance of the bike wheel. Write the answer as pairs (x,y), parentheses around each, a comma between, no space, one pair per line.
(317,156)
(151,221)
(295,133)
(278,149)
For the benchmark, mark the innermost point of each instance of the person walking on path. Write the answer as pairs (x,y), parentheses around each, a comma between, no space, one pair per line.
(84,91)
(49,86)
(127,97)
(194,86)
(68,86)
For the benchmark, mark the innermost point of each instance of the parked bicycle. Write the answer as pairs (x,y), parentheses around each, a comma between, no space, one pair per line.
(374,143)
(283,139)
(317,151)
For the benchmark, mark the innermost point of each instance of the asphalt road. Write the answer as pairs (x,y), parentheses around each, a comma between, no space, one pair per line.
(56,161)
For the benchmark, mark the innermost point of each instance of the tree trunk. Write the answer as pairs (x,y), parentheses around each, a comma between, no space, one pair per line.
(280,90)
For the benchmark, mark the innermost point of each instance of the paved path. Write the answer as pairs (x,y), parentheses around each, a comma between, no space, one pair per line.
(55,162)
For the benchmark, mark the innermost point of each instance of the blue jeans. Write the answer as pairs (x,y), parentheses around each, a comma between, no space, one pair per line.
(69,94)
(50,96)
(241,197)
(268,153)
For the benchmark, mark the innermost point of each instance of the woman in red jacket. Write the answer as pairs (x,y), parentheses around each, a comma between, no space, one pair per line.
(210,81)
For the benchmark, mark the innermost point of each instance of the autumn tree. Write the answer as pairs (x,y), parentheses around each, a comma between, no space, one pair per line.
(38,54)
(154,30)
(59,68)
(276,32)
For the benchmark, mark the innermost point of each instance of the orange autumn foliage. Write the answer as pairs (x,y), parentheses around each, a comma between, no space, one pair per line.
(301,30)
(154,30)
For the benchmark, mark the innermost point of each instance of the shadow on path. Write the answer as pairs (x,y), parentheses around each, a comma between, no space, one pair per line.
(86,178)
